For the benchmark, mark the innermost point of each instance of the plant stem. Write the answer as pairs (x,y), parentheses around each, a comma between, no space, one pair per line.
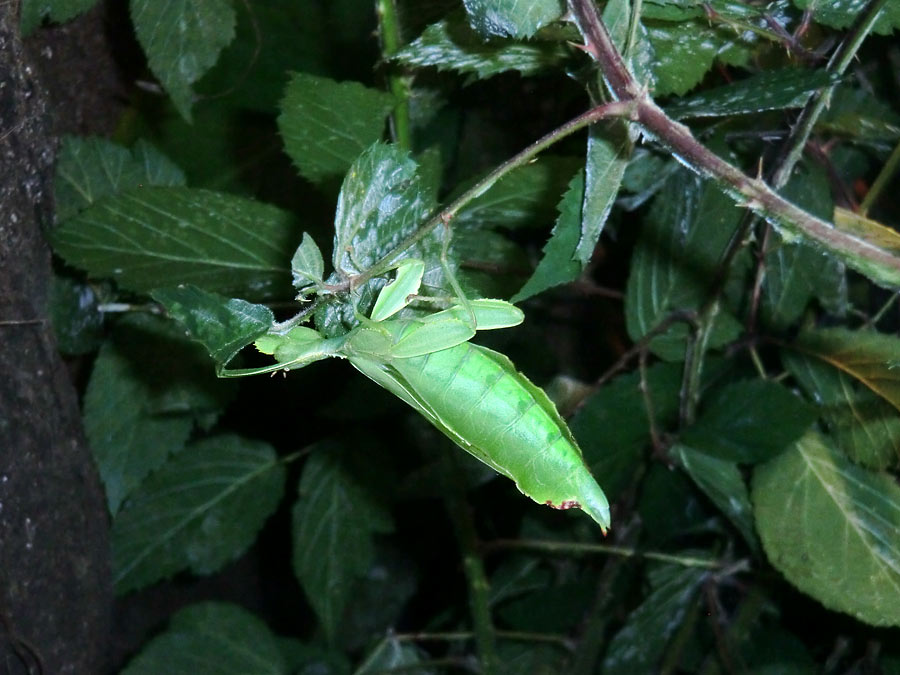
(884,176)
(576,548)
(389,32)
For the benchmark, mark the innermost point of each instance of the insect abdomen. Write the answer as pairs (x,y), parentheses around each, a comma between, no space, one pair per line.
(501,418)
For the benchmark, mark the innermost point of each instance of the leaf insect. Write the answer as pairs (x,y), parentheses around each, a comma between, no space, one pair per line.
(473,395)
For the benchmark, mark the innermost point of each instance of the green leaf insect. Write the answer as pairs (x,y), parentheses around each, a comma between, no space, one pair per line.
(474,395)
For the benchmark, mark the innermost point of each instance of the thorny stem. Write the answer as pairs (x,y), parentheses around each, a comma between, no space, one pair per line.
(389,32)
(577,548)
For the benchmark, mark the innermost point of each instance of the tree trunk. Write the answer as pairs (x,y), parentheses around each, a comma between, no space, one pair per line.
(55,592)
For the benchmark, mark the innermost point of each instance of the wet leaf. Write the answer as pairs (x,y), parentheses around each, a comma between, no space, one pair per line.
(512,18)
(842,13)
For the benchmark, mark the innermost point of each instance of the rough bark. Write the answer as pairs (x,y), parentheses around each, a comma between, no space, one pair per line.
(55,594)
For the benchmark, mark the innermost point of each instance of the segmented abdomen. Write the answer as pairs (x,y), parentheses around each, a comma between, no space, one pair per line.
(504,420)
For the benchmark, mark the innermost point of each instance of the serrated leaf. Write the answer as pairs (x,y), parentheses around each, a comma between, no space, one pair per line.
(512,18)
(154,237)
(89,168)
(558,264)
(182,40)
(842,13)
(768,90)
(451,44)
(211,638)
(869,357)
(307,265)
(607,156)
(832,529)
(201,510)
(613,427)
(686,231)
(335,518)
(684,52)
(127,439)
(640,644)
(861,424)
(33,11)
(223,325)
(722,482)
(749,421)
(326,124)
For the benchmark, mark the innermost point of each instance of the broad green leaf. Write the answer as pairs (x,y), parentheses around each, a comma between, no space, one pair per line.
(749,421)
(223,325)
(723,483)
(870,357)
(512,18)
(335,519)
(640,644)
(859,114)
(685,51)
(451,44)
(211,638)
(519,658)
(182,40)
(391,654)
(154,237)
(77,321)
(861,424)
(613,427)
(684,235)
(670,508)
(869,237)
(842,13)
(312,659)
(127,439)
(89,168)
(523,198)
(307,265)
(767,90)
(797,272)
(326,124)
(556,606)
(607,156)
(201,510)
(33,11)
(558,264)
(832,529)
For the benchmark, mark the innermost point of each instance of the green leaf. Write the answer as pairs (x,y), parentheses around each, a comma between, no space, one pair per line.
(326,124)
(684,53)
(831,529)
(182,40)
(155,237)
(211,638)
(512,18)
(863,425)
(842,13)
(89,168)
(613,427)
(640,644)
(335,519)
(682,240)
(723,483)
(223,325)
(607,156)
(859,114)
(768,90)
(558,264)
(870,357)
(307,265)
(381,202)
(451,44)
(33,11)
(869,241)
(201,510)
(749,421)
(127,439)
